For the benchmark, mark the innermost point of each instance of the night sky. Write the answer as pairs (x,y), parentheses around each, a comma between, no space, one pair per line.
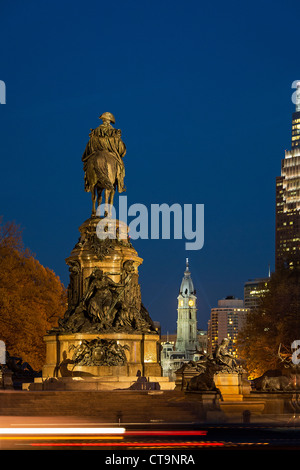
(202,94)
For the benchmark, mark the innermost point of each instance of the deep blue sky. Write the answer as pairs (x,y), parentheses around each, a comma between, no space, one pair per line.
(202,94)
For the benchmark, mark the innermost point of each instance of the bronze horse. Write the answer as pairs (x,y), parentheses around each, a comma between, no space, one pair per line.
(101,174)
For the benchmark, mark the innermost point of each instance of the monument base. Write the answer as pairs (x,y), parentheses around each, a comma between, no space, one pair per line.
(140,371)
(141,355)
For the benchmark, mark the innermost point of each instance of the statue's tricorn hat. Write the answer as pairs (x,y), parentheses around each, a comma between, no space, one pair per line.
(108,116)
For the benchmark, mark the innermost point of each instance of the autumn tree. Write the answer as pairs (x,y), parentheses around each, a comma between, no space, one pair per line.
(275,323)
(32,298)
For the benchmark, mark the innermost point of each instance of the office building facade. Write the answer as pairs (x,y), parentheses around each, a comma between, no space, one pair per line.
(225,322)
(254,290)
(287,239)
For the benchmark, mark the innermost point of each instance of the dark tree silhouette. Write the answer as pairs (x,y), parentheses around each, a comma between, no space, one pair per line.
(275,323)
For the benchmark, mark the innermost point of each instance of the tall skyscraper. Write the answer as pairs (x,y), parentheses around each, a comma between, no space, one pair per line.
(187,316)
(287,241)
(296,120)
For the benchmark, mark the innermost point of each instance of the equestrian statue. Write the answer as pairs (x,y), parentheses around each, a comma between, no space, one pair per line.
(103,164)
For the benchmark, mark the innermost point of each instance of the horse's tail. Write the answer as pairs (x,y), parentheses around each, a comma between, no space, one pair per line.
(102,174)
(97,172)
(87,186)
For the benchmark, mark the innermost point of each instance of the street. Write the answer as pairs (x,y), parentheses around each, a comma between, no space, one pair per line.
(70,433)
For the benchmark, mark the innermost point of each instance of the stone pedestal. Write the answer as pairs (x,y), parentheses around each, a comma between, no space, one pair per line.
(183,377)
(106,335)
(109,255)
(6,381)
(233,386)
(141,355)
(236,401)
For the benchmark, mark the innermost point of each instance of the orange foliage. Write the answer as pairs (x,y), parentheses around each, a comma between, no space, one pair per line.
(32,298)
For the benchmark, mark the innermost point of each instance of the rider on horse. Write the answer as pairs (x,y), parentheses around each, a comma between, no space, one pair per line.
(107,141)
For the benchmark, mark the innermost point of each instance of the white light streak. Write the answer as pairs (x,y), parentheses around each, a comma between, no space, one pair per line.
(59,431)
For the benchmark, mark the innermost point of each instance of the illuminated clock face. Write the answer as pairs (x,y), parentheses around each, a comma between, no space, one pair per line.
(181,303)
(191,303)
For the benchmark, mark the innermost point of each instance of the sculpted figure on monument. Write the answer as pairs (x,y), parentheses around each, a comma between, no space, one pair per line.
(99,297)
(109,306)
(103,162)
(223,357)
(132,315)
(199,375)
(285,377)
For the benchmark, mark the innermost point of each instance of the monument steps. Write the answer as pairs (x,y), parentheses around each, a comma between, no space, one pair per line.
(129,406)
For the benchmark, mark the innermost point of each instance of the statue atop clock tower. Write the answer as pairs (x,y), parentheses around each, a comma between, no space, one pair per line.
(186,341)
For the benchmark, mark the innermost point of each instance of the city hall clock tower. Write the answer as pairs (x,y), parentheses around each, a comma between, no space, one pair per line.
(187,316)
